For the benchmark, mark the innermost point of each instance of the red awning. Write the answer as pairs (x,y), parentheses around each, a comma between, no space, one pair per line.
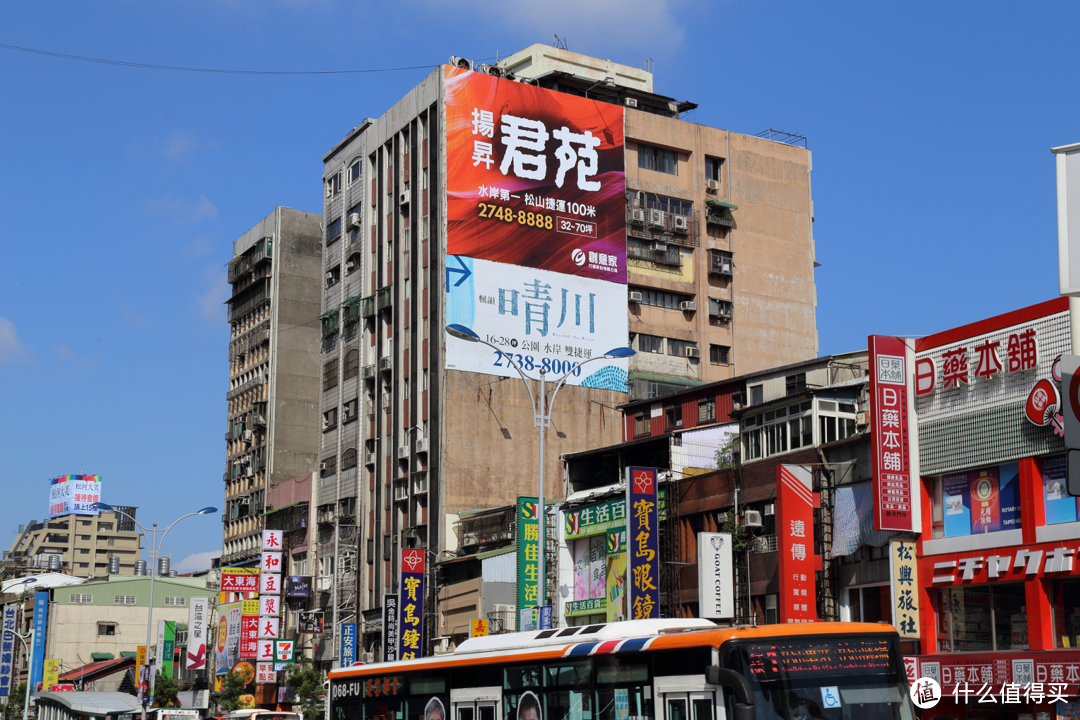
(98,670)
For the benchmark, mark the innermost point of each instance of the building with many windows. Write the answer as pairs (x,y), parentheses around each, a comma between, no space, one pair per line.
(75,544)
(716,231)
(272,431)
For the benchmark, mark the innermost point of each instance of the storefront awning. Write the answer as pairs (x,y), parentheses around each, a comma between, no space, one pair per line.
(283,507)
(721,204)
(101,656)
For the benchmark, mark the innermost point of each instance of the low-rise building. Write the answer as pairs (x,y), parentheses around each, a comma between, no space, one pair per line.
(76,544)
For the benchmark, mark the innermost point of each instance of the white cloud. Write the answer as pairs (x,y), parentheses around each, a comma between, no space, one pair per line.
(197,562)
(592,27)
(182,211)
(64,353)
(12,350)
(179,144)
(211,301)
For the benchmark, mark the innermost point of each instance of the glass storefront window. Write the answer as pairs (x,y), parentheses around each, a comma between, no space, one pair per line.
(1065,599)
(981,618)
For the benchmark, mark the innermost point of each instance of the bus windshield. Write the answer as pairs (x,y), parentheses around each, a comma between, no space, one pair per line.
(830,678)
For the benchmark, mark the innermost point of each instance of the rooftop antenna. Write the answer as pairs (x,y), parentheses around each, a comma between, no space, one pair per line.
(560,42)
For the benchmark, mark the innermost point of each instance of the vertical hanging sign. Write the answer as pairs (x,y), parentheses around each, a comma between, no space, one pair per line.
(528,553)
(390,628)
(348,644)
(8,649)
(195,655)
(270,611)
(904,578)
(716,587)
(643,557)
(41,623)
(411,624)
(795,503)
(894,498)
(168,649)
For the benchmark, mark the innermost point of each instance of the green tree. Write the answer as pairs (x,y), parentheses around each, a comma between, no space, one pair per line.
(14,708)
(740,537)
(309,686)
(232,687)
(727,457)
(166,690)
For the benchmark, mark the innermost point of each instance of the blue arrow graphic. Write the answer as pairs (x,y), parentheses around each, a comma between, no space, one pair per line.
(465,271)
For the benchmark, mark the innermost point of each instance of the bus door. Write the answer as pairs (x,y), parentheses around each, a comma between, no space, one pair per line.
(476,703)
(687,698)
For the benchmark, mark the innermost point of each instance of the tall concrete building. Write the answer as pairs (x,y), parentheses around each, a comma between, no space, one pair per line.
(272,432)
(458,205)
(74,544)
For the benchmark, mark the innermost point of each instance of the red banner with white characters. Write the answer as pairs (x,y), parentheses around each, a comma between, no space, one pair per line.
(249,637)
(1053,672)
(894,495)
(795,503)
(535,177)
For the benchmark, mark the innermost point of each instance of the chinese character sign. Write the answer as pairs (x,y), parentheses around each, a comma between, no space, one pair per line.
(7,649)
(74,494)
(411,615)
(894,498)
(478,627)
(41,623)
(643,543)
(195,655)
(239,580)
(51,674)
(904,579)
(391,638)
(795,503)
(249,636)
(615,574)
(535,178)
(546,320)
(272,540)
(528,552)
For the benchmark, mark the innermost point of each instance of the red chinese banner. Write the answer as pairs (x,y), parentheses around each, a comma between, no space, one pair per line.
(894,497)
(240,580)
(249,637)
(535,178)
(795,503)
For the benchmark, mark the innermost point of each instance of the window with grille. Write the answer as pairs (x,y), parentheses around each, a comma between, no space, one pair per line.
(348,411)
(352,363)
(80,599)
(329,377)
(678,347)
(333,231)
(354,171)
(123,599)
(106,629)
(175,601)
(348,459)
(642,424)
(658,159)
(650,344)
(673,415)
(719,354)
(706,410)
(795,383)
(659,298)
(328,466)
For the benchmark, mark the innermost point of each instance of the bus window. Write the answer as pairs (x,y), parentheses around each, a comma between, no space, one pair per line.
(567,691)
(623,688)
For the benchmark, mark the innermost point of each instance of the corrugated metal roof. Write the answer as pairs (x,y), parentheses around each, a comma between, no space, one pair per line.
(500,568)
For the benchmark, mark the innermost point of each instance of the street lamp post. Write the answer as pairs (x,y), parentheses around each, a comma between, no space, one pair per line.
(28,649)
(152,551)
(541,420)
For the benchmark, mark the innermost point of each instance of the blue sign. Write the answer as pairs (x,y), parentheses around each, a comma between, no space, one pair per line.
(348,644)
(546,613)
(41,622)
(7,649)
(643,543)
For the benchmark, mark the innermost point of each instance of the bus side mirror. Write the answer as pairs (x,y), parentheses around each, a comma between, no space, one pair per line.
(743,708)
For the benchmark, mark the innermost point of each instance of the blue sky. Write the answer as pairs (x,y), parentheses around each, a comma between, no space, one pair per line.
(121,189)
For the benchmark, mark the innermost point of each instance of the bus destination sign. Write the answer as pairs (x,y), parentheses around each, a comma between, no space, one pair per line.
(829,657)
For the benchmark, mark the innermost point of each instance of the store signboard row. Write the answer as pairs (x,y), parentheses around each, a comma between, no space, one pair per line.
(1045,560)
(1053,671)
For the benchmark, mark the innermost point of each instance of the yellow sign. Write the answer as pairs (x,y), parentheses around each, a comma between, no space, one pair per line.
(249,607)
(478,628)
(140,660)
(904,579)
(246,701)
(52,674)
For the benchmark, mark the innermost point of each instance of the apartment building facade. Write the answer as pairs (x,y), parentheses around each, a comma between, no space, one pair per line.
(272,430)
(75,544)
(412,435)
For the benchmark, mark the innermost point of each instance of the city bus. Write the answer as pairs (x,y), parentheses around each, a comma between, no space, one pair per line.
(642,670)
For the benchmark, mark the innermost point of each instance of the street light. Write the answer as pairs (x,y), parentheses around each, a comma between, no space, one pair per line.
(152,551)
(541,418)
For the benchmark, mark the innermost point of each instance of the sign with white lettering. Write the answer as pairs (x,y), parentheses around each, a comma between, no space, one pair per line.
(895,499)
(795,503)
(716,581)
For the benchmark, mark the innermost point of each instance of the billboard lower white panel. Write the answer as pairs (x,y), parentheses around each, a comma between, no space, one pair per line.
(543,319)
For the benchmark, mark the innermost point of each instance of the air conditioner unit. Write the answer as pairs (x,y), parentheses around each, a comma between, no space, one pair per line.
(260,420)
(693,352)
(249,472)
(386,363)
(493,70)
(688,306)
(656,218)
(324,583)
(460,62)
(679,224)
(322,466)
(862,418)
(403,198)
(659,246)
(770,509)
(713,185)
(367,372)
(370,459)
(637,216)
(354,220)
(421,445)
(248,435)
(630,102)
(403,452)
(442,645)
(736,406)
(350,264)
(752,518)
(635,296)
(639,198)
(725,268)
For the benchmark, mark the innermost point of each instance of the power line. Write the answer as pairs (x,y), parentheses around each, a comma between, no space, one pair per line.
(149,66)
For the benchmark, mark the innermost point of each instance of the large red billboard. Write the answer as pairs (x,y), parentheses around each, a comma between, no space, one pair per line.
(534,177)
(894,496)
(795,504)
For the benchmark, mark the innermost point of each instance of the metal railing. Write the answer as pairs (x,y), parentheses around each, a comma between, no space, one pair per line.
(663,257)
(763,544)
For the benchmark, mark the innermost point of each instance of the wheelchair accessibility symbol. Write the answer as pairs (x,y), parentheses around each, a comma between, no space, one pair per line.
(830,697)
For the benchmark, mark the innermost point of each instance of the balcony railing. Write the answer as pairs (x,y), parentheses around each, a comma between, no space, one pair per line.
(763,544)
(671,256)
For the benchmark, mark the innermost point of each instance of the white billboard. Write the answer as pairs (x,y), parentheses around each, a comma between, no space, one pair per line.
(542,319)
(74,494)
(716,581)
(1067,162)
